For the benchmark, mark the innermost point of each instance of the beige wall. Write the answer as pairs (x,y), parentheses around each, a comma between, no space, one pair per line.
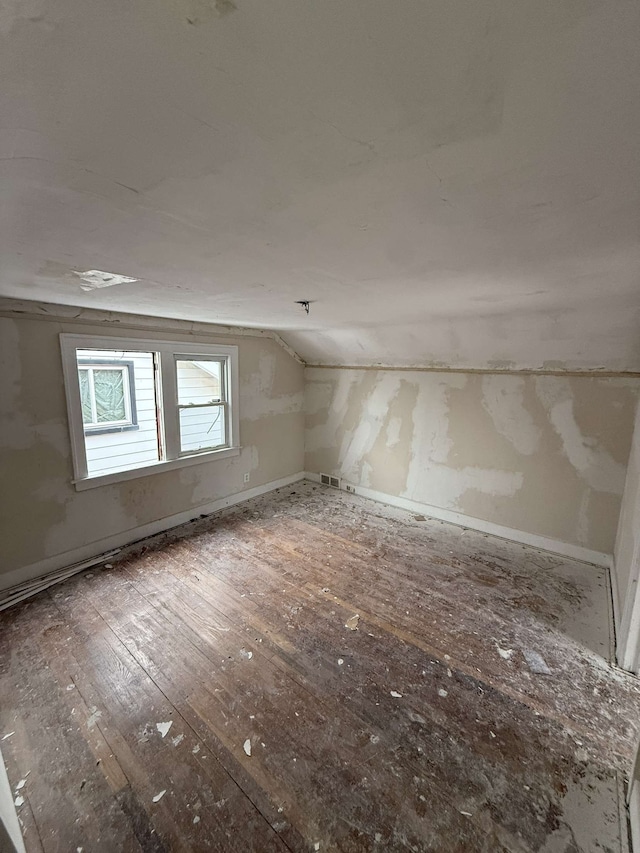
(41,513)
(542,454)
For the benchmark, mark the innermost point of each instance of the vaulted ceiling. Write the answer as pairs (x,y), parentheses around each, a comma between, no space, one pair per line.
(450,183)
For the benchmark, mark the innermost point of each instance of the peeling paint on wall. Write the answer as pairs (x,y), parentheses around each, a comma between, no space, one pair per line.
(42,515)
(532,453)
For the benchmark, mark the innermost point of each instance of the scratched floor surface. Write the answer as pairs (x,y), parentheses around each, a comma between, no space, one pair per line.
(207,694)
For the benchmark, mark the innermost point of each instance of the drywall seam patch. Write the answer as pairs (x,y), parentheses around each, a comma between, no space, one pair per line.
(96,549)
(592,373)
(543,543)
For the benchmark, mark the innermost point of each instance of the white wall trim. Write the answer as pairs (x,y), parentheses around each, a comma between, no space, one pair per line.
(95,552)
(544,543)
(8,816)
(634,815)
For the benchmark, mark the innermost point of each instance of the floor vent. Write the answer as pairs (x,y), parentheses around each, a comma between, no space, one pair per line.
(326,480)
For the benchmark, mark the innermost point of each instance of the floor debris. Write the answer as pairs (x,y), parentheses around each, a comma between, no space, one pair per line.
(247,746)
(346,758)
(163,728)
(159,796)
(536,662)
(352,623)
(506,654)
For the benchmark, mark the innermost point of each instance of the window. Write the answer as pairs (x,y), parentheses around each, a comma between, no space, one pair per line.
(107,395)
(137,406)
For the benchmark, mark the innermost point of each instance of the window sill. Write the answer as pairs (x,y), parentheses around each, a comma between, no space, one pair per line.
(155,468)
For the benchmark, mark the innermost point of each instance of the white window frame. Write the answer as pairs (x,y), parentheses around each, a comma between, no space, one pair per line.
(167,353)
(223,403)
(97,425)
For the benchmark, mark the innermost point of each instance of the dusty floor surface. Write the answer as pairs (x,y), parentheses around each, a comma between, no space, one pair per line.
(314,671)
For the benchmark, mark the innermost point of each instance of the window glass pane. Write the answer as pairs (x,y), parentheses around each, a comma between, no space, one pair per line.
(202,427)
(199,381)
(85,396)
(124,392)
(109,391)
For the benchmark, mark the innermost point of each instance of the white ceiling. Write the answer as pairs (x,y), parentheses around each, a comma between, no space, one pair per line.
(451,182)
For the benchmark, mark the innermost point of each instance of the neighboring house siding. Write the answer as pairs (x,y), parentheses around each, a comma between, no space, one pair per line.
(197,426)
(113,451)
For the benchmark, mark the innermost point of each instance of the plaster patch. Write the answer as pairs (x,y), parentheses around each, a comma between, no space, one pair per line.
(582,527)
(594,464)
(431,479)
(374,412)
(257,398)
(503,399)
(12,12)
(393,432)
(317,397)
(367,472)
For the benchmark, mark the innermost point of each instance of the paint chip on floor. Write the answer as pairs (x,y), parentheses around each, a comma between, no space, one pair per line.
(163,728)
(95,716)
(395,694)
(18,801)
(159,796)
(352,622)
(505,654)
(536,662)
(442,693)
(340,661)
(196,819)
(247,746)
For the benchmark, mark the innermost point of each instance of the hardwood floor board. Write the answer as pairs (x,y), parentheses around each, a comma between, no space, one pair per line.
(493,669)
(71,783)
(448,705)
(194,786)
(233,629)
(296,746)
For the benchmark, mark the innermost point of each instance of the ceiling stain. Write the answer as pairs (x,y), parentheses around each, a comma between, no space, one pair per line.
(202,11)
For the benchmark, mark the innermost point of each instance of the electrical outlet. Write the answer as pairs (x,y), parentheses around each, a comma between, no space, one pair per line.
(351,489)
(246,477)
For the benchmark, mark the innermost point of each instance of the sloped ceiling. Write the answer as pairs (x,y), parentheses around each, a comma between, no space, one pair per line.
(450,183)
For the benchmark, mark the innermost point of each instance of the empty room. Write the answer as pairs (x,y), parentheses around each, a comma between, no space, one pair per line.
(319,426)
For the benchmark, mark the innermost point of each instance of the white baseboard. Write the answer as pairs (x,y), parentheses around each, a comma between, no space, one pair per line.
(95,551)
(634,815)
(12,836)
(544,543)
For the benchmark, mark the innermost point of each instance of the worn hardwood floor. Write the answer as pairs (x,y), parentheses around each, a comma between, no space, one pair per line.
(207,694)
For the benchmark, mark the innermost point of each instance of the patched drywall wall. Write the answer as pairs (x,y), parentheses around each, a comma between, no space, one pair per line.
(543,454)
(626,566)
(41,513)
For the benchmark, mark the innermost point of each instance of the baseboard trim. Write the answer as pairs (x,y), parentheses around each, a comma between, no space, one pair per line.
(634,814)
(45,572)
(543,543)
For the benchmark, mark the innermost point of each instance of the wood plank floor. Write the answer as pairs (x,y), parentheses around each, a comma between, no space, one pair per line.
(206,693)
